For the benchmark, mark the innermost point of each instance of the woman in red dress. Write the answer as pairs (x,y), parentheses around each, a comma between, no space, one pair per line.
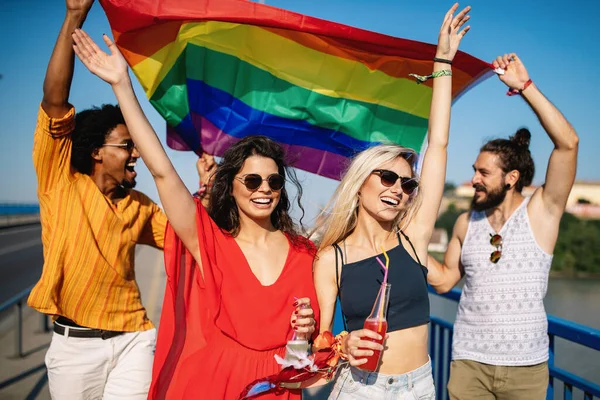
(237,274)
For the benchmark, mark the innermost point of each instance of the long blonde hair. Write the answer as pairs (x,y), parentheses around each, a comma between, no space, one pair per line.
(340,215)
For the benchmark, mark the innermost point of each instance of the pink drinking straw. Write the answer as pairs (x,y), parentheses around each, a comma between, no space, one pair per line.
(386,266)
(385,275)
(384,269)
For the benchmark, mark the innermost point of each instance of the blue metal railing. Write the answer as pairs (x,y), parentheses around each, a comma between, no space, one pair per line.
(18,209)
(440,349)
(17,303)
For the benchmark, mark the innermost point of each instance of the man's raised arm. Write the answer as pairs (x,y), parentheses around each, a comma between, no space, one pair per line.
(59,74)
(562,166)
(52,143)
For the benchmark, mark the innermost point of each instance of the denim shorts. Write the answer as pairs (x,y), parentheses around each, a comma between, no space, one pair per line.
(354,383)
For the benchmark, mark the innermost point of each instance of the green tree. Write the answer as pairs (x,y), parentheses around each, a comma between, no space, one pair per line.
(448,218)
(449,187)
(577,244)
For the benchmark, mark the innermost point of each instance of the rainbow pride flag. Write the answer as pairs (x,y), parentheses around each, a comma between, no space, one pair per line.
(220,70)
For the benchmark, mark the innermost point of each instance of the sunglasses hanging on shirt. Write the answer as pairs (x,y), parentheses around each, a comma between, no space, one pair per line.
(496,241)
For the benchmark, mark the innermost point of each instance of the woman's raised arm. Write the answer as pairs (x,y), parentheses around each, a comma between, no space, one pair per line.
(177,201)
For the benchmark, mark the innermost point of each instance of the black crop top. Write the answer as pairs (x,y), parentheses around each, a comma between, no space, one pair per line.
(360,282)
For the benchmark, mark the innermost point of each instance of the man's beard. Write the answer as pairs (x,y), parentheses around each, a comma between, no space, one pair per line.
(493,199)
(128,184)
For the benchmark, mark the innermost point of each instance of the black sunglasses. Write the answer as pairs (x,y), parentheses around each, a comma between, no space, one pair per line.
(129,145)
(253,181)
(389,178)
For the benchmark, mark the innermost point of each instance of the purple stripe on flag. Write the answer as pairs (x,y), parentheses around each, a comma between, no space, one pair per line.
(215,141)
(174,141)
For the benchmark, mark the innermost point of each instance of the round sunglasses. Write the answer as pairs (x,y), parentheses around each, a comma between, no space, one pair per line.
(496,241)
(389,179)
(253,181)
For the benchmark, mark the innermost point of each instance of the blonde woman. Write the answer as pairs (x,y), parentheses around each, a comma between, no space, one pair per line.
(382,203)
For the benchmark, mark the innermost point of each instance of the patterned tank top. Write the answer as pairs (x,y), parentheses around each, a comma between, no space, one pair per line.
(501,318)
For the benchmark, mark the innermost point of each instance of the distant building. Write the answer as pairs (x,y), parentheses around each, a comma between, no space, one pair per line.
(584,211)
(585,190)
(439,241)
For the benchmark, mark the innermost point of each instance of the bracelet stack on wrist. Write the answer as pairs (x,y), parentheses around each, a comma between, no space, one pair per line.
(436,74)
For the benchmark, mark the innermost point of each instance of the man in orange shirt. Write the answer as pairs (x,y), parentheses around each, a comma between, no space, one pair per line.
(206,167)
(92,219)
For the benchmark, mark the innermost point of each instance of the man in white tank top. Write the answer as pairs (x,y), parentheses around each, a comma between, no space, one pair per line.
(504,247)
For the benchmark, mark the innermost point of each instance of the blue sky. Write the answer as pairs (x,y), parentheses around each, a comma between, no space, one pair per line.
(551,38)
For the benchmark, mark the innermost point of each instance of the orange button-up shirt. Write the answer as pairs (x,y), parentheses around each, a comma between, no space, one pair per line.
(89,243)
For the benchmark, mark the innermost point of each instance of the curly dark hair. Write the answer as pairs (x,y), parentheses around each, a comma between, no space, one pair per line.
(92,126)
(515,155)
(223,208)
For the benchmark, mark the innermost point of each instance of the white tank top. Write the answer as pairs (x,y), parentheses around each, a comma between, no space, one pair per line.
(501,318)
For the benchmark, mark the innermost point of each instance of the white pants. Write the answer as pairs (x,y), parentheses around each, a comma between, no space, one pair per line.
(93,368)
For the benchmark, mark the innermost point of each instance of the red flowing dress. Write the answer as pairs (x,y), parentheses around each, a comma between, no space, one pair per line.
(220,332)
